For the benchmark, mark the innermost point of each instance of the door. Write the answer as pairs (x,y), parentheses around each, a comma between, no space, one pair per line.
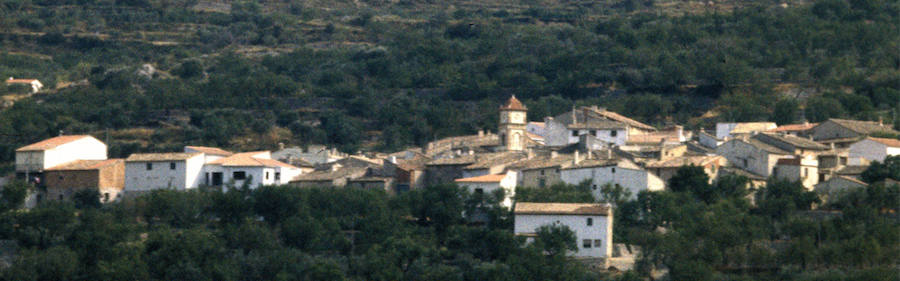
(217,178)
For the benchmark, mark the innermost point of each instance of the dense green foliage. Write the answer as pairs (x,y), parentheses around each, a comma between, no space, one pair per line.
(388,75)
(282,233)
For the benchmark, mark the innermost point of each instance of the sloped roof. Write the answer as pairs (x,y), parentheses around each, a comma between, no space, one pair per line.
(20,81)
(513,104)
(586,114)
(763,146)
(598,124)
(621,118)
(749,127)
(331,175)
(246,159)
(888,142)
(210,150)
(683,161)
(52,143)
(852,170)
(794,127)
(484,178)
(796,142)
(539,124)
(81,165)
(153,157)
(485,161)
(526,208)
(861,127)
(541,162)
(851,179)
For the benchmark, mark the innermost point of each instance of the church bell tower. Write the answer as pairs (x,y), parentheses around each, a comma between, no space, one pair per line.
(512,124)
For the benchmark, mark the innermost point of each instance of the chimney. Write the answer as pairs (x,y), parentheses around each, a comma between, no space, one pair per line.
(832,146)
(553,154)
(480,133)
(393,159)
(280,146)
(880,121)
(577,158)
(680,131)
(574,116)
(609,153)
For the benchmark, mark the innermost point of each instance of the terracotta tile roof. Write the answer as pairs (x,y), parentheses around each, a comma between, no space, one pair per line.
(525,208)
(247,159)
(209,150)
(458,160)
(52,143)
(862,127)
(683,161)
(763,146)
(852,179)
(331,175)
(513,104)
(485,178)
(153,157)
(544,161)
(655,137)
(888,142)
(592,163)
(80,165)
(790,161)
(741,172)
(372,179)
(794,127)
(20,81)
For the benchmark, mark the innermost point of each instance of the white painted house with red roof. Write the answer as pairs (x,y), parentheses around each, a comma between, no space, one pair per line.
(488,184)
(873,149)
(33,159)
(33,83)
(591,223)
(256,167)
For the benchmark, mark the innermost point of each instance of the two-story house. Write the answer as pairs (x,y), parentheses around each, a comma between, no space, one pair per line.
(591,223)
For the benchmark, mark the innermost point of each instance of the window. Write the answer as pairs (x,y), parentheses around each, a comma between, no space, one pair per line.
(60,177)
(60,197)
(542,182)
(542,172)
(479,191)
(805,172)
(172,166)
(277,176)
(613,170)
(745,162)
(843,160)
(557,170)
(613,133)
(594,133)
(590,221)
(239,175)
(598,243)
(149,166)
(595,187)
(821,177)
(106,197)
(267,175)
(574,133)
(587,243)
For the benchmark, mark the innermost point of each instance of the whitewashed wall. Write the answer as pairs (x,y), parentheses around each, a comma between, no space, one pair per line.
(600,230)
(187,174)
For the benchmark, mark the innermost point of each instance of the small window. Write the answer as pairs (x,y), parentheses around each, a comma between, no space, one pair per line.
(821,177)
(745,162)
(598,243)
(60,197)
(479,191)
(106,197)
(590,221)
(172,166)
(277,176)
(613,170)
(594,133)
(613,133)
(587,243)
(574,133)
(595,187)
(542,172)
(557,170)
(240,175)
(267,175)
(60,177)
(542,182)
(805,172)
(149,166)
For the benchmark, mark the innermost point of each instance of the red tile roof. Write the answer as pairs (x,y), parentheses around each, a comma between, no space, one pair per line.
(20,81)
(524,208)
(513,104)
(51,143)
(794,127)
(246,159)
(210,150)
(485,178)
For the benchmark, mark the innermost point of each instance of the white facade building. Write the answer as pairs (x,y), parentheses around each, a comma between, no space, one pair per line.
(619,172)
(210,154)
(150,171)
(37,157)
(802,169)
(752,155)
(873,149)
(725,131)
(256,167)
(488,184)
(592,224)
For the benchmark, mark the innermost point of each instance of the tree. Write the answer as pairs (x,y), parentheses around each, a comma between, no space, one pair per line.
(87,198)
(879,171)
(56,263)
(785,111)
(13,194)
(555,239)
(693,179)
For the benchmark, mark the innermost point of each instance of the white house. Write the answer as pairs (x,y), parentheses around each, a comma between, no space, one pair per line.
(33,83)
(619,172)
(873,149)
(802,169)
(608,126)
(592,224)
(837,185)
(752,155)
(34,158)
(487,184)
(257,167)
(150,171)
(537,128)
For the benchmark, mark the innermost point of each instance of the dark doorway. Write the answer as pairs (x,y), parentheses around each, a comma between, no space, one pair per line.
(216,179)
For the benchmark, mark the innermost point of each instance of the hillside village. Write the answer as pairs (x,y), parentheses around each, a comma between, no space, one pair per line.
(587,145)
